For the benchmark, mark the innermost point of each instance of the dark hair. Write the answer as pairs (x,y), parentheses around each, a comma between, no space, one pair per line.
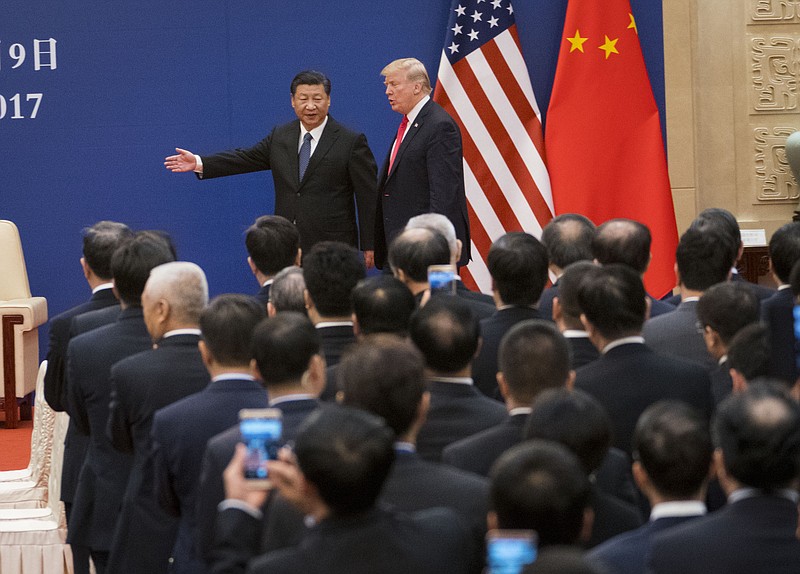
(99,243)
(540,485)
(784,250)
(672,441)
(726,308)
(393,393)
(758,431)
(286,293)
(447,333)
(414,250)
(574,419)
(722,221)
(331,270)
(311,78)
(347,454)
(382,304)
(568,239)
(517,262)
(613,299)
(282,346)
(794,279)
(132,262)
(533,356)
(702,259)
(749,351)
(227,326)
(272,243)
(568,287)
(623,241)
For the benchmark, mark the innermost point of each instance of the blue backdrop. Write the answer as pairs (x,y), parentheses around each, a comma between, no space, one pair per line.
(123,84)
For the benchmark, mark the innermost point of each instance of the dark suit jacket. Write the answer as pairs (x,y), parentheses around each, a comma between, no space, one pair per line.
(334,340)
(427,177)
(478,452)
(612,517)
(180,433)
(676,334)
(582,351)
(659,307)
(479,308)
(263,294)
(463,291)
(758,290)
(545,304)
(86,322)
(752,535)
(484,367)
(140,385)
(629,378)
(457,411)
(721,382)
(777,313)
(342,167)
(105,471)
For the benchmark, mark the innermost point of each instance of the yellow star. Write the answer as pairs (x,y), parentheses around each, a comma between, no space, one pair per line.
(610,47)
(633,24)
(577,42)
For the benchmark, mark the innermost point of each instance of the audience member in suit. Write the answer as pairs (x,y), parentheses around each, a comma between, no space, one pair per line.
(776,312)
(757,456)
(416,249)
(748,356)
(381,304)
(104,474)
(287,292)
(287,355)
(567,314)
(440,224)
(627,242)
(568,239)
(533,357)
(672,453)
(172,300)
(723,311)
(331,270)
(446,332)
(341,459)
(517,263)
(181,430)
(580,423)
(273,243)
(629,376)
(702,260)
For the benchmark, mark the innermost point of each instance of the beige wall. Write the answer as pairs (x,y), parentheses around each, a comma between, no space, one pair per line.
(732,98)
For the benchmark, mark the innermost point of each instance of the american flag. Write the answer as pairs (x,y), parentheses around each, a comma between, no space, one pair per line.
(483,83)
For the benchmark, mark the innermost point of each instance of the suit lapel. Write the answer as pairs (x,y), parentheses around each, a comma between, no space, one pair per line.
(329,135)
(411,131)
(291,152)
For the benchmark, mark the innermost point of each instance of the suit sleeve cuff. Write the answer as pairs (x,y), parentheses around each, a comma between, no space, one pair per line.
(241,505)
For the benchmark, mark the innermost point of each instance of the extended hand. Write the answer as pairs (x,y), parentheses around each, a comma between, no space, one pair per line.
(184,161)
(236,486)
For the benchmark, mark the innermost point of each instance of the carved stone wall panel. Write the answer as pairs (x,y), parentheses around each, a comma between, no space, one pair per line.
(774,11)
(774,181)
(775,68)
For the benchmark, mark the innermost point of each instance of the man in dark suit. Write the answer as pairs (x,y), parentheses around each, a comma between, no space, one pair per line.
(173,298)
(757,439)
(181,430)
(273,244)
(672,453)
(423,171)
(517,263)
(105,471)
(567,314)
(748,356)
(447,333)
(318,165)
(630,376)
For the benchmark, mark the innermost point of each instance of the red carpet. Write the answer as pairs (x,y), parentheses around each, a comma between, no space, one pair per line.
(15,445)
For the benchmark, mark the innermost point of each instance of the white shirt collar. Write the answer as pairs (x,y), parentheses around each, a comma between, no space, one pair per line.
(784,286)
(102,286)
(689,299)
(678,508)
(316,133)
(722,359)
(294,397)
(748,492)
(267,282)
(181,332)
(520,411)
(412,115)
(333,324)
(234,377)
(622,341)
(575,334)
(458,380)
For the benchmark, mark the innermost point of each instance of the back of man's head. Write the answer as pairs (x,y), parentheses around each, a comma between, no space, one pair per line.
(132,262)
(414,250)
(540,485)
(568,287)
(383,374)
(283,346)
(758,434)
(784,250)
(623,241)
(227,325)
(183,286)
(568,239)
(441,225)
(574,419)
(99,243)
(702,260)
(382,304)
(721,221)
(286,293)
(727,308)
(272,243)
(331,269)
(672,442)
(517,262)
(749,351)
(613,299)
(533,356)
(347,454)
(447,333)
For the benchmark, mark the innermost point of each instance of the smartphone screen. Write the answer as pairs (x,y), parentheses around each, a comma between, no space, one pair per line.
(509,551)
(797,336)
(261,431)
(442,279)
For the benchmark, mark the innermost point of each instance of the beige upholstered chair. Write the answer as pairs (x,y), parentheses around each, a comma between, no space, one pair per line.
(20,317)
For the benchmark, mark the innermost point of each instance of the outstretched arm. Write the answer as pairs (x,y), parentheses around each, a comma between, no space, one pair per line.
(183,161)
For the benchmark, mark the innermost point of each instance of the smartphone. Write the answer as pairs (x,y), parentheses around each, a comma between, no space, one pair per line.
(509,551)
(442,279)
(261,431)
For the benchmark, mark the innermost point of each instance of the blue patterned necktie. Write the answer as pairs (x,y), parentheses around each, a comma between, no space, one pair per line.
(305,154)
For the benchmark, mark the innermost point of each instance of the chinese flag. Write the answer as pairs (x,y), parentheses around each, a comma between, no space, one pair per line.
(605,152)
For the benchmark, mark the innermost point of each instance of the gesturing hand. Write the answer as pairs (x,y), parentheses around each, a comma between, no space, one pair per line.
(183,161)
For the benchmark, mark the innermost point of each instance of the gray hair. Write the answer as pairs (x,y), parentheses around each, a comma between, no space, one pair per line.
(414,69)
(286,293)
(438,223)
(183,285)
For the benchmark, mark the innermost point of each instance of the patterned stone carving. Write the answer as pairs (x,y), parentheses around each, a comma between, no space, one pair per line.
(776,63)
(774,180)
(775,11)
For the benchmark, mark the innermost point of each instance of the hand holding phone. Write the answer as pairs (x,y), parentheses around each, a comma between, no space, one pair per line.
(261,431)
(442,279)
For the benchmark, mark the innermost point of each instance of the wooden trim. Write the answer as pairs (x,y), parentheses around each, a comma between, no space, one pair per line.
(9,370)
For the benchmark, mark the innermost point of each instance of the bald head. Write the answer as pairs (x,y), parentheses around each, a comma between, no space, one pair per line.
(441,225)
(623,241)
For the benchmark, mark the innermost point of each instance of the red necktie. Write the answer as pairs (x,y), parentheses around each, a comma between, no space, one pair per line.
(400,132)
